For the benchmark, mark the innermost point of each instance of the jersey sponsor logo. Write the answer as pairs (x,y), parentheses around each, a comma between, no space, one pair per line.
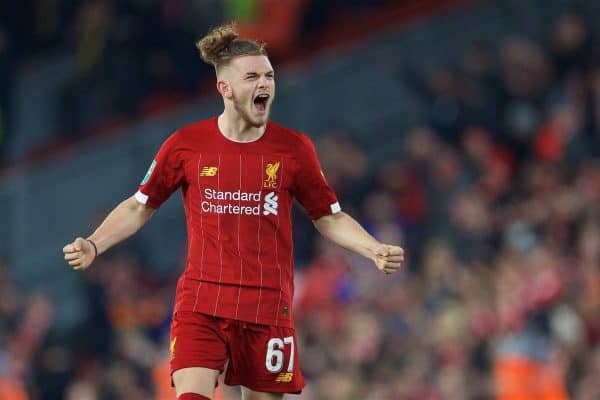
(238,202)
(271,171)
(245,203)
(209,171)
(148,173)
(210,207)
(238,195)
(285,377)
(271,204)
(172,347)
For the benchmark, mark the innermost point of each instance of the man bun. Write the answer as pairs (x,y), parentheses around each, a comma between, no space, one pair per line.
(223,43)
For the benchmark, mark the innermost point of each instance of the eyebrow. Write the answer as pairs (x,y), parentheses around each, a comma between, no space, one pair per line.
(248,74)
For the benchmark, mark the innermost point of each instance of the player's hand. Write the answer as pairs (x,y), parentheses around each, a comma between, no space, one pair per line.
(80,254)
(388,258)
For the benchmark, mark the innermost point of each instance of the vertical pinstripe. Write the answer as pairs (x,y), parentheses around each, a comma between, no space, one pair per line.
(238,242)
(191,237)
(202,232)
(276,252)
(291,256)
(219,237)
(290,281)
(262,164)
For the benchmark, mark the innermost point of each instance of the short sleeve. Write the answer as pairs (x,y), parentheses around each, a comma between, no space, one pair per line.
(310,186)
(164,175)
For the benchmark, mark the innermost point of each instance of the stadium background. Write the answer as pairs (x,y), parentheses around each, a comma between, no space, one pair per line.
(467,131)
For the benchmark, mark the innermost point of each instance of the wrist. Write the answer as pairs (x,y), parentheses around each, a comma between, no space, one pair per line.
(371,251)
(377,250)
(94,246)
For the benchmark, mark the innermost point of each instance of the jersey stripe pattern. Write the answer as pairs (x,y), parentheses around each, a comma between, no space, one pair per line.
(237,199)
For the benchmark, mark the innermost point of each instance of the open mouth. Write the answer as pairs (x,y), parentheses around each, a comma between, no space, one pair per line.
(260,102)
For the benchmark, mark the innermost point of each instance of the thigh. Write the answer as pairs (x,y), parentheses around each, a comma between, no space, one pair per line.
(198,352)
(264,359)
(195,380)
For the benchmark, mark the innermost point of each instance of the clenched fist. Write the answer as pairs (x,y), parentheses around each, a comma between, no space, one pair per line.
(388,258)
(80,254)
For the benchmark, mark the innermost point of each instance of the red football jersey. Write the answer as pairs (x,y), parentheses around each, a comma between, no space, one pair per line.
(238,200)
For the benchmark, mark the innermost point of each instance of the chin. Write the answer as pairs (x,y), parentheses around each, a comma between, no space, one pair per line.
(255,123)
(259,121)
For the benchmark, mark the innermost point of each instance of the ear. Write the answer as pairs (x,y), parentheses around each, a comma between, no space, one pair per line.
(224,88)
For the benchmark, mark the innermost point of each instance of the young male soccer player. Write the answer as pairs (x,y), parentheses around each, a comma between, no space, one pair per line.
(238,174)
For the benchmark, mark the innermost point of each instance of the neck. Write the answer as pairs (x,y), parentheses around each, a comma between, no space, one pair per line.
(235,128)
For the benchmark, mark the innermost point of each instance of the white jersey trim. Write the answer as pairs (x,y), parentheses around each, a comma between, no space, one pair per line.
(141,197)
(335,207)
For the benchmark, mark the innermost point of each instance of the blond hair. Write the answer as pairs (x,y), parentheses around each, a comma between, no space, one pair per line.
(222,44)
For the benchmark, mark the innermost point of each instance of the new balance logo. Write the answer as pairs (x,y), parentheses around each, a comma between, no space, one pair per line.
(285,377)
(208,171)
(270,206)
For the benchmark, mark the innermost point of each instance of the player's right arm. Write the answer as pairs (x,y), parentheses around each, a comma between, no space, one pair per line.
(122,222)
(164,176)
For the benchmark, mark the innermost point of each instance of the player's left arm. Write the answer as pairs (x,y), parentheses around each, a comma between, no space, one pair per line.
(346,232)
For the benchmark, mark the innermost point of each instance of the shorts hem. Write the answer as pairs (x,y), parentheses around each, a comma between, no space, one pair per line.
(177,368)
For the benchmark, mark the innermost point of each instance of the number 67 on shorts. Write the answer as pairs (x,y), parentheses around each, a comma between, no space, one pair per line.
(275,356)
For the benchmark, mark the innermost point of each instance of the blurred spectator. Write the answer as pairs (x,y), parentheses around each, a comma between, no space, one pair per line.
(136,57)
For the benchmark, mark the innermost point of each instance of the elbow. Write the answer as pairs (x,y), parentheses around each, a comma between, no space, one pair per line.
(136,207)
(322,224)
(318,226)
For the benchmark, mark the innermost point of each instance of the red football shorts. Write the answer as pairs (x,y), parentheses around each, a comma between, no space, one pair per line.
(262,358)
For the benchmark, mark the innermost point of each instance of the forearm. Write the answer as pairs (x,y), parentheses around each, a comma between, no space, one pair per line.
(346,232)
(122,222)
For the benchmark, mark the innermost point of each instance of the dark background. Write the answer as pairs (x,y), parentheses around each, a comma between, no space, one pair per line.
(466,131)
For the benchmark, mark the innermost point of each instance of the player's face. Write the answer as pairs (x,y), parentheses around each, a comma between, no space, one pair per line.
(253,88)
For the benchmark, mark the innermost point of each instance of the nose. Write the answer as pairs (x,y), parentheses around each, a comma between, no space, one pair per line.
(262,82)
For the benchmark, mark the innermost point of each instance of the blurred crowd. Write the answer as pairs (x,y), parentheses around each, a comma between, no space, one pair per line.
(496,199)
(131,58)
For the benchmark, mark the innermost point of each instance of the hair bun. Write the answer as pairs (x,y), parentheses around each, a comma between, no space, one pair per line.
(222,44)
(215,45)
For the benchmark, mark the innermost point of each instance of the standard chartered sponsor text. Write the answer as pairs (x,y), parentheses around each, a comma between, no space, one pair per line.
(212,194)
(238,196)
(208,206)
